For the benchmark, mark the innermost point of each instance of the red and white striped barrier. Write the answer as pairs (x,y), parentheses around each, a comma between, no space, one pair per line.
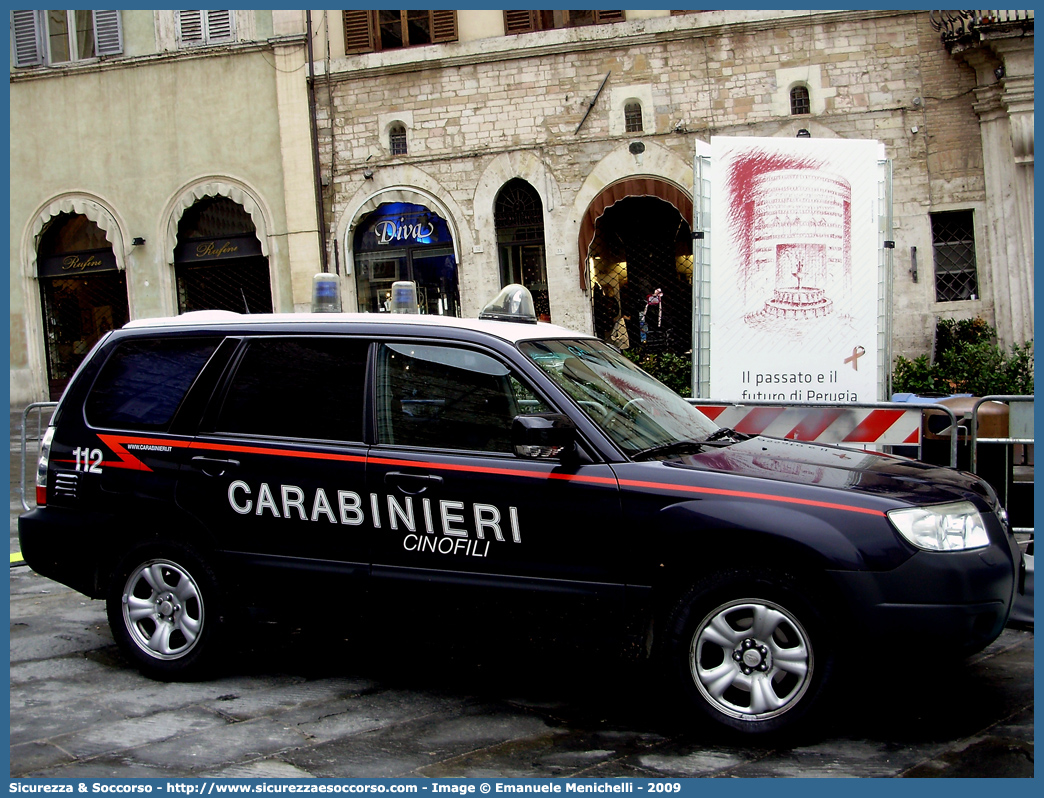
(820,424)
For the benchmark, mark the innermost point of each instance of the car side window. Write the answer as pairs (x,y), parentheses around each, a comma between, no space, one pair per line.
(143,382)
(448,397)
(297,387)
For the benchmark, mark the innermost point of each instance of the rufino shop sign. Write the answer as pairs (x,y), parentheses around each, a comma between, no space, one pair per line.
(195,250)
(74,264)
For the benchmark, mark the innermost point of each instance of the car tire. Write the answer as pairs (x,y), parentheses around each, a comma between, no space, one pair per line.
(164,610)
(750,651)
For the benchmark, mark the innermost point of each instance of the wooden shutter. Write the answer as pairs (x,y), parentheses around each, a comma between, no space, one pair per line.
(219,26)
(28,44)
(608,16)
(359,30)
(190,27)
(519,21)
(108,33)
(443,26)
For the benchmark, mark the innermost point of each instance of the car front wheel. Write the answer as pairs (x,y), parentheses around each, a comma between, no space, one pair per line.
(750,651)
(163,611)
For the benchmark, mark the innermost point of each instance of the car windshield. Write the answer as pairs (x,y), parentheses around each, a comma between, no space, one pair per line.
(637,411)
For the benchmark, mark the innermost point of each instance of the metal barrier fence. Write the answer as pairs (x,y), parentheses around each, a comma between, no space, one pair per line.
(1019,434)
(887,424)
(37,409)
(891,425)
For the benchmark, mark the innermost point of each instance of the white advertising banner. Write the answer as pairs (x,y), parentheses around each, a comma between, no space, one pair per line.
(794,270)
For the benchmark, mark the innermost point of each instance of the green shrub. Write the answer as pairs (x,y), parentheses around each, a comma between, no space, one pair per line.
(967,360)
(672,370)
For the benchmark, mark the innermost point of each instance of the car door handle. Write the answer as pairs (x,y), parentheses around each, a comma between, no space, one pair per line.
(412,484)
(213,466)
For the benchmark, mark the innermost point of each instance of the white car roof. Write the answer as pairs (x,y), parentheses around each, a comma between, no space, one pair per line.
(508,331)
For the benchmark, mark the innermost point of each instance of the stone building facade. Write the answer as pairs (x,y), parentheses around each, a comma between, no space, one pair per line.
(492,107)
(161,161)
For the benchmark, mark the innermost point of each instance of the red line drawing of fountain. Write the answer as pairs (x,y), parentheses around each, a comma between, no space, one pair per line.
(794,223)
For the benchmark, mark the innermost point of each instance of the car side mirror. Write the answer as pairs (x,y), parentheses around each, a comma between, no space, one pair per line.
(542,436)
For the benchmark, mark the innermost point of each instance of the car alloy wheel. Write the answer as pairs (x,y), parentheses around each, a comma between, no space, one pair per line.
(163,609)
(751,659)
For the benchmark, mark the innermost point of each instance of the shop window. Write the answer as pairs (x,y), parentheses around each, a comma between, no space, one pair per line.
(369,31)
(401,241)
(397,139)
(527,21)
(59,37)
(218,261)
(953,243)
(633,117)
(519,218)
(83,293)
(799,101)
(205,27)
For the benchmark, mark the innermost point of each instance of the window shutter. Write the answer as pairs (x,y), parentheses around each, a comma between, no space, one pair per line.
(608,16)
(190,27)
(443,26)
(108,33)
(219,26)
(27,31)
(519,21)
(358,31)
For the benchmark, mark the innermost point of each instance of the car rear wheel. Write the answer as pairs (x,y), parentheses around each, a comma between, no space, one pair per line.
(750,651)
(163,611)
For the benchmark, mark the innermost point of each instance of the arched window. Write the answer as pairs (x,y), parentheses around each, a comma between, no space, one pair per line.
(397,139)
(218,261)
(799,101)
(633,117)
(83,293)
(518,215)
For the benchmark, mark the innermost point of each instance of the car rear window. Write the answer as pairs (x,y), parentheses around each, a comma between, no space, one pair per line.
(143,382)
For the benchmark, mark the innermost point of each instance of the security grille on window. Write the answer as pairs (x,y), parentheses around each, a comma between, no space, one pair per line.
(518,216)
(633,117)
(205,27)
(953,240)
(799,101)
(368,31)
(60,37)
(397,139)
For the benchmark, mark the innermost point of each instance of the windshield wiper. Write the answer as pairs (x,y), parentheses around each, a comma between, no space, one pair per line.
(667,448)
(726,432)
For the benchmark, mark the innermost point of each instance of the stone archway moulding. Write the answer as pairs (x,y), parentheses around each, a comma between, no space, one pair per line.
(94,210)
(410,194)
(217,187)
(622,189)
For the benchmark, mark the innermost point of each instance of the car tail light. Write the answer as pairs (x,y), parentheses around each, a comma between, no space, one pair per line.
(41,467)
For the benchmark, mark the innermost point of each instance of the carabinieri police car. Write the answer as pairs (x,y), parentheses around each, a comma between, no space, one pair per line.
(200,465)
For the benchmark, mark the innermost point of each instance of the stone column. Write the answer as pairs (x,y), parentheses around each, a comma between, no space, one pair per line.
(1004,103)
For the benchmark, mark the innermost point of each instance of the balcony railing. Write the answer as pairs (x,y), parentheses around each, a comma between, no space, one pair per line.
(958,25)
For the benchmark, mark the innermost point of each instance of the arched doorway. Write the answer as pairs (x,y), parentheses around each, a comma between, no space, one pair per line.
(82,292)
(518,216)
(640,261)
(218,262)
(405,241)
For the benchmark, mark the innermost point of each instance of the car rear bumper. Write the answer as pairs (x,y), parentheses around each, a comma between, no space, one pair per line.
(64,545)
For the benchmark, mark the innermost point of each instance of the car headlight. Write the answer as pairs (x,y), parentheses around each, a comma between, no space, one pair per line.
(943,527)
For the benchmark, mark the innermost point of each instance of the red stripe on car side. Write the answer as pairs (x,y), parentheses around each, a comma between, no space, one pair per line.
(116,444)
